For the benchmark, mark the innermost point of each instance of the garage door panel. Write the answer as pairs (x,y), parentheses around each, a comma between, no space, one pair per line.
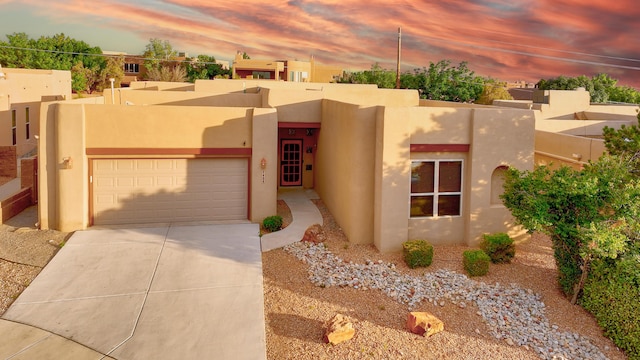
(169,190)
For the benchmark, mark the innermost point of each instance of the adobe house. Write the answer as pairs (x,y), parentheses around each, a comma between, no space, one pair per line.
(21,92)
(284,70)
(569,128)
(388,166)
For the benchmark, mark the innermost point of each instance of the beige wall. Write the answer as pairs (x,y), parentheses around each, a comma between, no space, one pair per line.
(182,98)
(23,89)
(72,128)
(488,132)
(557,149)
(344,166)
(159,86)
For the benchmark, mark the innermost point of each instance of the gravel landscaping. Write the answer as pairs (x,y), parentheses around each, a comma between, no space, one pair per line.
(516,311)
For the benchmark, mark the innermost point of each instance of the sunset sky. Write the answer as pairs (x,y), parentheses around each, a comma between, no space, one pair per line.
(508,40)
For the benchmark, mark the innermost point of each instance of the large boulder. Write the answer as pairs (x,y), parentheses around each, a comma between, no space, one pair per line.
(424,323)
(314,234)
(338,329)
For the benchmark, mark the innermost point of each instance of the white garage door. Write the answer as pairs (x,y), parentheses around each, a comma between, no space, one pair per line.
(139,191)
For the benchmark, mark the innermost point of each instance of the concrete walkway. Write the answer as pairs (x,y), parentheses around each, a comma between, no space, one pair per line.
(148,293)
(304,212)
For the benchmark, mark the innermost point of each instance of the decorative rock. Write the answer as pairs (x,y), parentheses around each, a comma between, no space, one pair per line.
(313,234)
(424,323)
(338,329)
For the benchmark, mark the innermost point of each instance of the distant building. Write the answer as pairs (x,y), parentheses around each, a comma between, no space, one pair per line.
(21,92)
(284,70)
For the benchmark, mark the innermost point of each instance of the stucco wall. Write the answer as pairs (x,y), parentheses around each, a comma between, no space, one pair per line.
(182,98)
(500,138)
(490,136)
(344,163)
(23,89)
(70,129)
(556,149)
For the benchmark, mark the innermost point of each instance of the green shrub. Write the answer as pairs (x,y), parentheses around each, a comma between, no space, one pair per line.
(612,294)
(417,253)
(272,223)
(499,247)
(476,262)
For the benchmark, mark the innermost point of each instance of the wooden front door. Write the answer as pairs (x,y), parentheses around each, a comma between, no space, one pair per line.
(291,163)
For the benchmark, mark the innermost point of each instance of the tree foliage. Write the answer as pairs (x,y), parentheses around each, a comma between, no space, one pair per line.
(601,87)
(385,79)
(167,73)
(443,81)
(158,53)
(589,214)
(57,52)
(493,90)
(204,67)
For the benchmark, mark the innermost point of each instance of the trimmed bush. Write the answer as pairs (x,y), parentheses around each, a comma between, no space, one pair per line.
(417,253)
(476,262)
(611,295)
(272,223)
(499,247)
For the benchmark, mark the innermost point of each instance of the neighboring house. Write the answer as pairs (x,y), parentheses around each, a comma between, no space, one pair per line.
(388,166)
(21,93)
(569,127)
(284,70)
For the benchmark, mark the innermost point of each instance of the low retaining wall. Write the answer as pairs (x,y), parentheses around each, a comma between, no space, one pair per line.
(14,205)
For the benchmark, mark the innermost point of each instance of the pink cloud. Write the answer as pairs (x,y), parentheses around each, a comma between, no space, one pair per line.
(528,39)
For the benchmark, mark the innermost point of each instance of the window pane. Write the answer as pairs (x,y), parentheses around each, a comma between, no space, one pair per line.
(422,177)
(448,205)
(450,175)
(421,206)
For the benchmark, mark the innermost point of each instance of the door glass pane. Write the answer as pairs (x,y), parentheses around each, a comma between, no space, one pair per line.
(422,176)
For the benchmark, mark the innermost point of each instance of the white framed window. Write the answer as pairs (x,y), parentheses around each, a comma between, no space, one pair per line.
(132,68)
(436,188)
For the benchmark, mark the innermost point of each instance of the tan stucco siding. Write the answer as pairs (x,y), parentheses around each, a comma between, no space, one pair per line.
(294,105)
(167,127)
(440,125)
(182,98)
(70,129)
(344,162)
(264,190)
(500,138)
(561,149)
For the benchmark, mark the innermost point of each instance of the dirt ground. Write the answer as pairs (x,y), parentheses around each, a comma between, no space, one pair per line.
(24,251)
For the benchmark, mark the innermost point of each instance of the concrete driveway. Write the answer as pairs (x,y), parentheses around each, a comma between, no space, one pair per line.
(170,292)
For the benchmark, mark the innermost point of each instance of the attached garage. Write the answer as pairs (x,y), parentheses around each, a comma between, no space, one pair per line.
(139,191)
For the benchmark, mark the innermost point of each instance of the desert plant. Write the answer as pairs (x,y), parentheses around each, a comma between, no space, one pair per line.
(417,253)
(272,223)
(476,262)
(499,247)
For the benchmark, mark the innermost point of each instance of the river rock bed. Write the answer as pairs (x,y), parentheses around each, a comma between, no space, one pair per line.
(512,314)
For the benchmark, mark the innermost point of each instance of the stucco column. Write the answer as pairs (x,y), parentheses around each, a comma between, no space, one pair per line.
(72,201)
(264,176)
(392,178)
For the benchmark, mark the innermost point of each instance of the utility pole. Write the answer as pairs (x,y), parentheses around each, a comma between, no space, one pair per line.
(399,49)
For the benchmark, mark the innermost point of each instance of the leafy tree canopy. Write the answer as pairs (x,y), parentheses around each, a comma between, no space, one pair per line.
(203,67)
(589,214)
(493,90)
(384,78)
(601,87)
(157,53)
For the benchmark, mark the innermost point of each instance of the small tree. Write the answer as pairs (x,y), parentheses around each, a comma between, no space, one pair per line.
(589,214)
(493,90)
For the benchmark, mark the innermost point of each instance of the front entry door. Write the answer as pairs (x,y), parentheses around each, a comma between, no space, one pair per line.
(291,163)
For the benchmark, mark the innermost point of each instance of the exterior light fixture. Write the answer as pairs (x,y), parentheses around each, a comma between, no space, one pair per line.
(263,163)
